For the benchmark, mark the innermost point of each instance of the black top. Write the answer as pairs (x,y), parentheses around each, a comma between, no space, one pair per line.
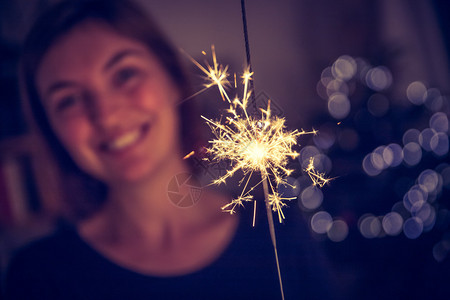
(63,266)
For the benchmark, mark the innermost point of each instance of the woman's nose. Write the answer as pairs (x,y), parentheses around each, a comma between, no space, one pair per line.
(105,109)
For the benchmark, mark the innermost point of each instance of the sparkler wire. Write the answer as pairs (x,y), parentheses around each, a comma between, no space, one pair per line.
(272,232)
(247,49)
(264,178)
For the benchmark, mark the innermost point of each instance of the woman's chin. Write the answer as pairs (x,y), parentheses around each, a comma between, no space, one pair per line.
(128,175)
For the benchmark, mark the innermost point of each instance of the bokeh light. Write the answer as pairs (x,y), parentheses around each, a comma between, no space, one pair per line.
(339,105)
(321,222)
(322,163)
(369,167)
(435,100)
(411,136)
(427,214)
(378,78)
(428,180)
(399,208)
(413,227)
(311,197)
(412,154)
(306,153)
(416,93)
(338,231)
(392,223)
(344,68)
(425,138)
(439,144)
(441,250)
(377,159)
(397,154)
(337,86)
(326,76)
(439,122)
(369,226)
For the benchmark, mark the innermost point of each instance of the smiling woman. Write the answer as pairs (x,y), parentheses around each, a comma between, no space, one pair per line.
(122,70)
(106,91)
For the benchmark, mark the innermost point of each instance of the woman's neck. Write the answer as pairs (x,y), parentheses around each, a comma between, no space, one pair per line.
(143,210)
(146,201)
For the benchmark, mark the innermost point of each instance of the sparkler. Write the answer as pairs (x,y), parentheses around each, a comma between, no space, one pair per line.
(254,144)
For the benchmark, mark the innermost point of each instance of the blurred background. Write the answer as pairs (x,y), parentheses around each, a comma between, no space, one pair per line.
(372,76)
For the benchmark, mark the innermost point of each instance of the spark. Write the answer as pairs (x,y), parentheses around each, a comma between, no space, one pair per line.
(216,75)
(189,155)
(316,177)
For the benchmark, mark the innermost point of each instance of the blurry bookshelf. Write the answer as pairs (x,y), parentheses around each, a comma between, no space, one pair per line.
(28,189)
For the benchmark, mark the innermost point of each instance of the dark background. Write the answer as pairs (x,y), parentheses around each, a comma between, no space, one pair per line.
(291,43)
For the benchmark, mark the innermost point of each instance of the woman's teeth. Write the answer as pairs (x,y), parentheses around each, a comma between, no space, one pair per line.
(124,140)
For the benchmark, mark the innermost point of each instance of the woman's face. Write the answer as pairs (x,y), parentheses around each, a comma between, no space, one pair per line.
(110,102)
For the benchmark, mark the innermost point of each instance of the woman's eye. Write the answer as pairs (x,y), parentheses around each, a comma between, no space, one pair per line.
(125,76)
(67,102)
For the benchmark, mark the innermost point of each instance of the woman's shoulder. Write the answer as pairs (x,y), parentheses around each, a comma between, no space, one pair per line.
(44,256)
(54,244)
(33,267)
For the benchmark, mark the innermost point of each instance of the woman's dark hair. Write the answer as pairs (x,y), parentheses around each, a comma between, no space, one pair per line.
(127,19)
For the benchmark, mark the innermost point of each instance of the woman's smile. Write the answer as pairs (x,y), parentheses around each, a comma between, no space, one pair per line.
(126,140)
